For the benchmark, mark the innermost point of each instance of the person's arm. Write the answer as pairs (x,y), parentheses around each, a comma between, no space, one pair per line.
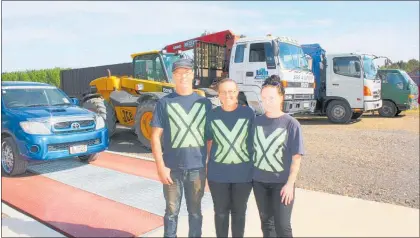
(163,172)
(209,143)
(296,145)
(157,125)
(294,169)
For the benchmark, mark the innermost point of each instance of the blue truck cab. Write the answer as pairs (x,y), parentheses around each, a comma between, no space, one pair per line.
(39,122)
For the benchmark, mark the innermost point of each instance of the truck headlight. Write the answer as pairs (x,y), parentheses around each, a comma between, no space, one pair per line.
(100,123)
(35,128)
(288,97)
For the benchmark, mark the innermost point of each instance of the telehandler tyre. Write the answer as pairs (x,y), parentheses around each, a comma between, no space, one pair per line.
(144,115)
(105,110)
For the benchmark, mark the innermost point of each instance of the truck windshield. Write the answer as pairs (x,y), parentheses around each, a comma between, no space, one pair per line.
(369,68)
(14,97)
(408,78)
(292,57)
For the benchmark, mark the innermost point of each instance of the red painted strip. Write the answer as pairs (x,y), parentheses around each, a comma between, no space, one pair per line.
(129,165)
(76,212)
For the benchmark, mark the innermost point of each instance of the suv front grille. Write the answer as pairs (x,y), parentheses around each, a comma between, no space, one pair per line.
(66,146)
(67,124)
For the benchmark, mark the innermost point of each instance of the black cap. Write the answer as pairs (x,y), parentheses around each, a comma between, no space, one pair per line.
(182,63)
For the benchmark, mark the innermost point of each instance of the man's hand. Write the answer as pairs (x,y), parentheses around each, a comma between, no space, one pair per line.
(165,175)
(286,194)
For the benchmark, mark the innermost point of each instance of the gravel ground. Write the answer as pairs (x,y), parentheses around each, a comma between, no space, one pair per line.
(364,160)
(374,159)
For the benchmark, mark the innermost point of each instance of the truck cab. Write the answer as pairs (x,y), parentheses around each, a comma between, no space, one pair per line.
(353,77)
(399,92)
(346,84)
(252,60)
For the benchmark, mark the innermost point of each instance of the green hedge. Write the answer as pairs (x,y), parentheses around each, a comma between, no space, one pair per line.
(50,76)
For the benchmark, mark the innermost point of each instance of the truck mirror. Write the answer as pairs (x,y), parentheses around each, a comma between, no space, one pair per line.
(310,61)
(354,68)
(275,48)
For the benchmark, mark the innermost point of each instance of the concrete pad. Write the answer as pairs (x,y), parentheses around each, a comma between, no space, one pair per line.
(319,214)
(17,224)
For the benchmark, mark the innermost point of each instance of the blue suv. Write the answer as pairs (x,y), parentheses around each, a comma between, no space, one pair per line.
(39,122)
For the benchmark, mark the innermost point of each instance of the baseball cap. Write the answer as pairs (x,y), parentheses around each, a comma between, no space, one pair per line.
(182,63)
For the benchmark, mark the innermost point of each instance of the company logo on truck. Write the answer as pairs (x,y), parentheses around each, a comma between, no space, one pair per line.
(261,73)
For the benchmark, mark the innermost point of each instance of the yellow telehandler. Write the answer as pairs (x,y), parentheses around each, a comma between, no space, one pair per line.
(130,101)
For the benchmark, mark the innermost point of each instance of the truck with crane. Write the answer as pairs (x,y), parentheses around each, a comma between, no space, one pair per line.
(347,84)
(130,101)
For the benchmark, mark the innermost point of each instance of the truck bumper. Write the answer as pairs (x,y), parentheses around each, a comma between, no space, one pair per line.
(299,106)
(373,105)
(408,106)
(52,147)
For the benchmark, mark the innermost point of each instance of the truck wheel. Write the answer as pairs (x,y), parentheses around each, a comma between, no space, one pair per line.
(339,112)
(88,158)
(356,115)
(12,163)
(144,115)
(105,110)
(388,109)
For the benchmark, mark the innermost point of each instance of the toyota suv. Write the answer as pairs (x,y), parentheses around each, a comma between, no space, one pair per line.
(39,122)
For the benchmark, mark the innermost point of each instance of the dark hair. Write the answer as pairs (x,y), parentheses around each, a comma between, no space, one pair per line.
(274,81)
(224,81)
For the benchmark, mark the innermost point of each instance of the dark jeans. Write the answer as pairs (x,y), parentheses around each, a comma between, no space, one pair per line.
(192,183)
(275,216)
(230,198)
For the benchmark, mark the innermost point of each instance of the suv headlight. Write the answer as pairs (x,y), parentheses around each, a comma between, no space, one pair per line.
(35,128)
(100,123)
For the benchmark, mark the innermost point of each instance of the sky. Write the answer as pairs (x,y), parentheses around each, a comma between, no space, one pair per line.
(37,35)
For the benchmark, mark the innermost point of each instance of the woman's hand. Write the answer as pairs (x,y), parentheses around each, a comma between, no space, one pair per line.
(286,193)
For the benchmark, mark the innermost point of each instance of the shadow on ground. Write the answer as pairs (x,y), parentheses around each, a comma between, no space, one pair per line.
(322,121)
(125,141)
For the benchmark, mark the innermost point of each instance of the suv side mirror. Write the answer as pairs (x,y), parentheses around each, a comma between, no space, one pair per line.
(75,101)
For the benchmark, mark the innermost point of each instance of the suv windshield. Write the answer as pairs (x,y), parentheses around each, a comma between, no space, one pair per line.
(292,57)
(369,68)
(34,96)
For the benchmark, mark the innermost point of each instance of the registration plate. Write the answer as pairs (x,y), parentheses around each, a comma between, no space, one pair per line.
(306,104)
(78,149)
(304,85)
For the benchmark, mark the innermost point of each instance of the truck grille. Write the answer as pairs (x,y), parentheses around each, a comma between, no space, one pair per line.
(303,96)
(377,94)
(66,146)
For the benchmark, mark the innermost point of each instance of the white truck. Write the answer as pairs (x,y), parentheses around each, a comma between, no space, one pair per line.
(254,59)
(249,61)
(346,84)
